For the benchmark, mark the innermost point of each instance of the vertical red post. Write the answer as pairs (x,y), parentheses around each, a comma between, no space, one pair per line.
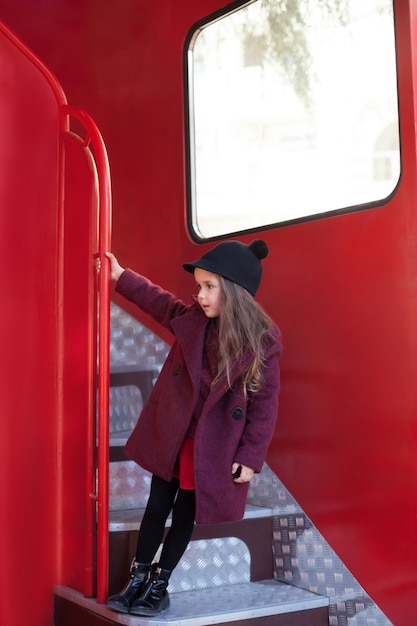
(102,324)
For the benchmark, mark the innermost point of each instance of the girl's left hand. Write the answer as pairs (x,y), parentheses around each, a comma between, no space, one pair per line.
(244,475)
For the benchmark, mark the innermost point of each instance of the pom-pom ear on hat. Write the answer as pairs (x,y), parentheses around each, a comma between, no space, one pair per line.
(235,261)
(259,248)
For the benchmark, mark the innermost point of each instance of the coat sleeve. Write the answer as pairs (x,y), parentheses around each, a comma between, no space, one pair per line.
(162,305)
(261,415)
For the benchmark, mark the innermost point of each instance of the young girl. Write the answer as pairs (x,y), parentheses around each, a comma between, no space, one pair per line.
(207,425)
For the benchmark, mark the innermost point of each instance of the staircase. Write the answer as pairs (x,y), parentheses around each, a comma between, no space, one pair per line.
(273,568)
(225,575)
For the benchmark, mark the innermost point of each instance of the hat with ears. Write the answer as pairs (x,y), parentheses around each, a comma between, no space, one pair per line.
(235,261)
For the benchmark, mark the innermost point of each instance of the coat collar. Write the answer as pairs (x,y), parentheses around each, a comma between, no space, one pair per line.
(190,331)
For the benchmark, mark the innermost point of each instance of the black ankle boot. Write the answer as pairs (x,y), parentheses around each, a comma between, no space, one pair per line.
(154,598)
(139,576)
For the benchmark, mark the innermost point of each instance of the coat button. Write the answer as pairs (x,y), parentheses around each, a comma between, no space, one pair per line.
(237,413)
(177,369)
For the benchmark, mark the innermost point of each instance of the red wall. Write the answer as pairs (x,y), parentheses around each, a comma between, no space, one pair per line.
(343,289)
(31,356)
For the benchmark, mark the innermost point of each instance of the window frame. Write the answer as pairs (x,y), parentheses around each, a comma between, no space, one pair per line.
(190,156)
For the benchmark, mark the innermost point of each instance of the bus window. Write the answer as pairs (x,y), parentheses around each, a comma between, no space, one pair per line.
(292,113)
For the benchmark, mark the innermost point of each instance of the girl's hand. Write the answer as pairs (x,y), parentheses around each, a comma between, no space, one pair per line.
(116,270)
(241,473)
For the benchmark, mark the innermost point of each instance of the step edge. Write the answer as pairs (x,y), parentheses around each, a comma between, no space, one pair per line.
(115,525)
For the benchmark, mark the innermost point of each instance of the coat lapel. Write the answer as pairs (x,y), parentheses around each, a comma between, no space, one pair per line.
(190,331)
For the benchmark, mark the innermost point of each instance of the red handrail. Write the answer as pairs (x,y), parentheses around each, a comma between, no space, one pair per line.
(101,496)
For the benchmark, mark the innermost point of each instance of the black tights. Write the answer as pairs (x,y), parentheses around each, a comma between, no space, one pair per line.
(164,497)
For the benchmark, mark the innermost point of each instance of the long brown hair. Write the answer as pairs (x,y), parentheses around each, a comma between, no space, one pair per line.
(242,327)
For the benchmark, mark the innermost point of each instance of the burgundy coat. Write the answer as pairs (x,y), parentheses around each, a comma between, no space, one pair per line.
(229,429)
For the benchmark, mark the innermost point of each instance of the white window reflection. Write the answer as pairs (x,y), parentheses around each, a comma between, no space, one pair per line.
(267,149)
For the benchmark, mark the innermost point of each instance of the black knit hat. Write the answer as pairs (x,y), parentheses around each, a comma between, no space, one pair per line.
(236,261)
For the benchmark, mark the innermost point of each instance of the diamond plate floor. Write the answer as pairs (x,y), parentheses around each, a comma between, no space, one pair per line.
(215,605)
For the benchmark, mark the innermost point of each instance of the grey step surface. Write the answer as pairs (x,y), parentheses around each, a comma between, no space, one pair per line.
(129,519)
(216,605)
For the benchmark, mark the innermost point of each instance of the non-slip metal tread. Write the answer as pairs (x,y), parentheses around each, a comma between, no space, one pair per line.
(129,519)
(215,605)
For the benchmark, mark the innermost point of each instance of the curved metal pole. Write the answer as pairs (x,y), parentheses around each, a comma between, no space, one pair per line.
(94,140)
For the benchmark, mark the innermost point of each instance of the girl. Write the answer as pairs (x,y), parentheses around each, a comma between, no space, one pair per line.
(206,427)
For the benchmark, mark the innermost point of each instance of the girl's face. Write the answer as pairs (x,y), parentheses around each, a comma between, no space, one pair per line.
(209,292)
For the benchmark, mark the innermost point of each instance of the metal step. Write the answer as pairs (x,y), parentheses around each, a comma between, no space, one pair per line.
(251,602)
(216,555)
(129,519)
